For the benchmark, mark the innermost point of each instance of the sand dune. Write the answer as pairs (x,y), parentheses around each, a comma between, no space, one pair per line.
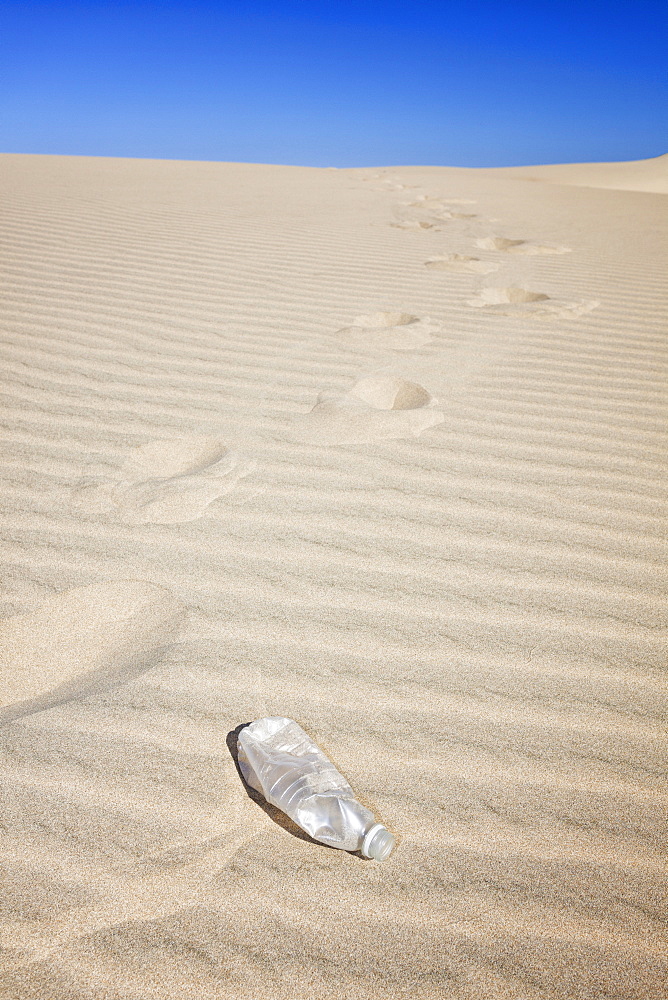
(634,175)
(380,450)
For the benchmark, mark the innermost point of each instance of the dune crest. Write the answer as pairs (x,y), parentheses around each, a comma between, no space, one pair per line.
(634,175)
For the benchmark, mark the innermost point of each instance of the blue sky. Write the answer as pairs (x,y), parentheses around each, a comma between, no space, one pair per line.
(461,83)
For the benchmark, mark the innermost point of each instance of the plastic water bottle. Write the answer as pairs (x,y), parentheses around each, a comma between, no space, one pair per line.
(278,759)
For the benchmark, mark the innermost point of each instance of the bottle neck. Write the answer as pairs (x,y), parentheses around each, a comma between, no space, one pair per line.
(378,842)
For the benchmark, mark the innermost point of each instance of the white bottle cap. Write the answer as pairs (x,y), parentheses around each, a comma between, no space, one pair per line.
(378,842)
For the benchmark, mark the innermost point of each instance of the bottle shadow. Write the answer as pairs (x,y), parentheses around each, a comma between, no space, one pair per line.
(273,812)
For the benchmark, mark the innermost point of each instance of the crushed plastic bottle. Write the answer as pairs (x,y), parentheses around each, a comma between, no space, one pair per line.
(278,759)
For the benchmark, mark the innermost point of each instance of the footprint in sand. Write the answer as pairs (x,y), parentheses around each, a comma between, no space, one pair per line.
(460,262)
(387,182)
(524,247)
(419,221)
(440,207)
(163,482)
(377,408)
(520,301)
(415,225)
(82,641)
(393,184)
(426,212)
(397,331)
(435,201)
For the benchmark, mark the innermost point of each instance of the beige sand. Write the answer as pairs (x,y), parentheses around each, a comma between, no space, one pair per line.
(635,175)
(382,451)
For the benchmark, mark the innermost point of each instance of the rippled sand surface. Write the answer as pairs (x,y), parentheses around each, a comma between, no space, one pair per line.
(379,450)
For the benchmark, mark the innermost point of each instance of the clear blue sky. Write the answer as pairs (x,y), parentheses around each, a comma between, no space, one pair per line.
(339,83)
